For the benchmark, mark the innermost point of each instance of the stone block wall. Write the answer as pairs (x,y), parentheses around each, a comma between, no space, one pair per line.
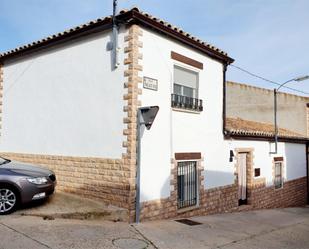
(104,179)
(293,193)
(225,199)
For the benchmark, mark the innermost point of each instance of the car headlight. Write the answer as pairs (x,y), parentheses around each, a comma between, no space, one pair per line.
(38,180)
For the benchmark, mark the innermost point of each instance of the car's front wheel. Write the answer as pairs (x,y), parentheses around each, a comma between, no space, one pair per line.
(8,199)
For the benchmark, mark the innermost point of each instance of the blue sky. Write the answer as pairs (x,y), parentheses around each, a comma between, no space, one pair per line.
(266,37)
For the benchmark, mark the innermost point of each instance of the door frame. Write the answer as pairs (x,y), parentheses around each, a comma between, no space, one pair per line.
(188,156)
(240,163)
(307,170)
(249,171)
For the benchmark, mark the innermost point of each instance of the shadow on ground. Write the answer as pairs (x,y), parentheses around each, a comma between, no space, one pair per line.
(69,206)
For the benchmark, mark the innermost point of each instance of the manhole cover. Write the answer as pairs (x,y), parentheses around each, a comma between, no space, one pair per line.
(130,243)
(189,222)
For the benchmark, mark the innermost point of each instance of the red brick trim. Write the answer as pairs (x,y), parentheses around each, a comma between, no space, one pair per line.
(278,159)
(188,156)
(186,60)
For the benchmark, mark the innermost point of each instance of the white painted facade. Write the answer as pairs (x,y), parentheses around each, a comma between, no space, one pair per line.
(294,157)
(65,101)
(179,131)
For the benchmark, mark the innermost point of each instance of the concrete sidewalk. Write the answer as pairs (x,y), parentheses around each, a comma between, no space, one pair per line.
(264,229)
(269,229)
(28,232)
(69,206)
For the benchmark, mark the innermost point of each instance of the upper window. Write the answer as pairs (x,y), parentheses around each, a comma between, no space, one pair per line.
(185,82)
(185,92)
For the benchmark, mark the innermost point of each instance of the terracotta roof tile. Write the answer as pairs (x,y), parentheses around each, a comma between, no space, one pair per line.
(238,126)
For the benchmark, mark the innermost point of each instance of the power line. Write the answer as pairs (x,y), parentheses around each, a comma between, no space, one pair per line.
(270,81)
(16,80)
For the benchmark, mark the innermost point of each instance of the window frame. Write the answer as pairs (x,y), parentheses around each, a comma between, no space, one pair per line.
(188,68)
(181,102)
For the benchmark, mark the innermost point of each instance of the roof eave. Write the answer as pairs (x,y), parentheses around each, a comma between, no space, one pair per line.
(54,40)
(229,135)
(148,22)
(129,17)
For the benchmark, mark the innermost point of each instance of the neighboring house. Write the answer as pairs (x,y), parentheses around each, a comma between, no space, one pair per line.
(65,107)
(257,104)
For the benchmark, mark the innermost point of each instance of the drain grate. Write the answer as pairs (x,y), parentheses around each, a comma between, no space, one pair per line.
(188,222)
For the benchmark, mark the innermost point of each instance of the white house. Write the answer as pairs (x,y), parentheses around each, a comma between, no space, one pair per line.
(65,106)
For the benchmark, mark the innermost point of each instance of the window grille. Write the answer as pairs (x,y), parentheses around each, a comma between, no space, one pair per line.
(187,184)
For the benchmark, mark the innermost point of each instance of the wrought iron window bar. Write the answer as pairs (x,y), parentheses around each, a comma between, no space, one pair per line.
(186,184)
(184,102)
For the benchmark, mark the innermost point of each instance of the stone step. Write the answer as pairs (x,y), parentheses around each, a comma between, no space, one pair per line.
(244,208)
(70,206)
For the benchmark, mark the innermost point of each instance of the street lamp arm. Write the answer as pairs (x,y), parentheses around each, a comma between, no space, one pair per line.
(284,84)
(302,78)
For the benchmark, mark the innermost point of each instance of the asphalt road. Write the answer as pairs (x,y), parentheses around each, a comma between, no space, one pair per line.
(266,229)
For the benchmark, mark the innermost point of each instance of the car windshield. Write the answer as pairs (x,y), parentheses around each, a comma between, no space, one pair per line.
(4,160)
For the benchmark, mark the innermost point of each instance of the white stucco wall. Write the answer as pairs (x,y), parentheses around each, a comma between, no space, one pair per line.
(261,157)
(294,158)
(175,131)
(295,155)
(156,143)
(65,101)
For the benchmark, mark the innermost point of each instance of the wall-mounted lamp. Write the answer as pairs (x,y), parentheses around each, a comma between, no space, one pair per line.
(231,155)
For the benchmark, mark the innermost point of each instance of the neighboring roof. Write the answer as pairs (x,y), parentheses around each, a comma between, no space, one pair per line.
(246,128)
(125,16)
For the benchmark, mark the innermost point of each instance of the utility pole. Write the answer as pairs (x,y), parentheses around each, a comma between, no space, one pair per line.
(113,45)
(298,79)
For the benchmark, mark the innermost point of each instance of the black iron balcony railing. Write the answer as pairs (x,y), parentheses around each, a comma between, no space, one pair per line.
(184,102)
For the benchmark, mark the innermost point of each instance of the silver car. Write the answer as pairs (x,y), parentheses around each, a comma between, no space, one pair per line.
(22,183)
